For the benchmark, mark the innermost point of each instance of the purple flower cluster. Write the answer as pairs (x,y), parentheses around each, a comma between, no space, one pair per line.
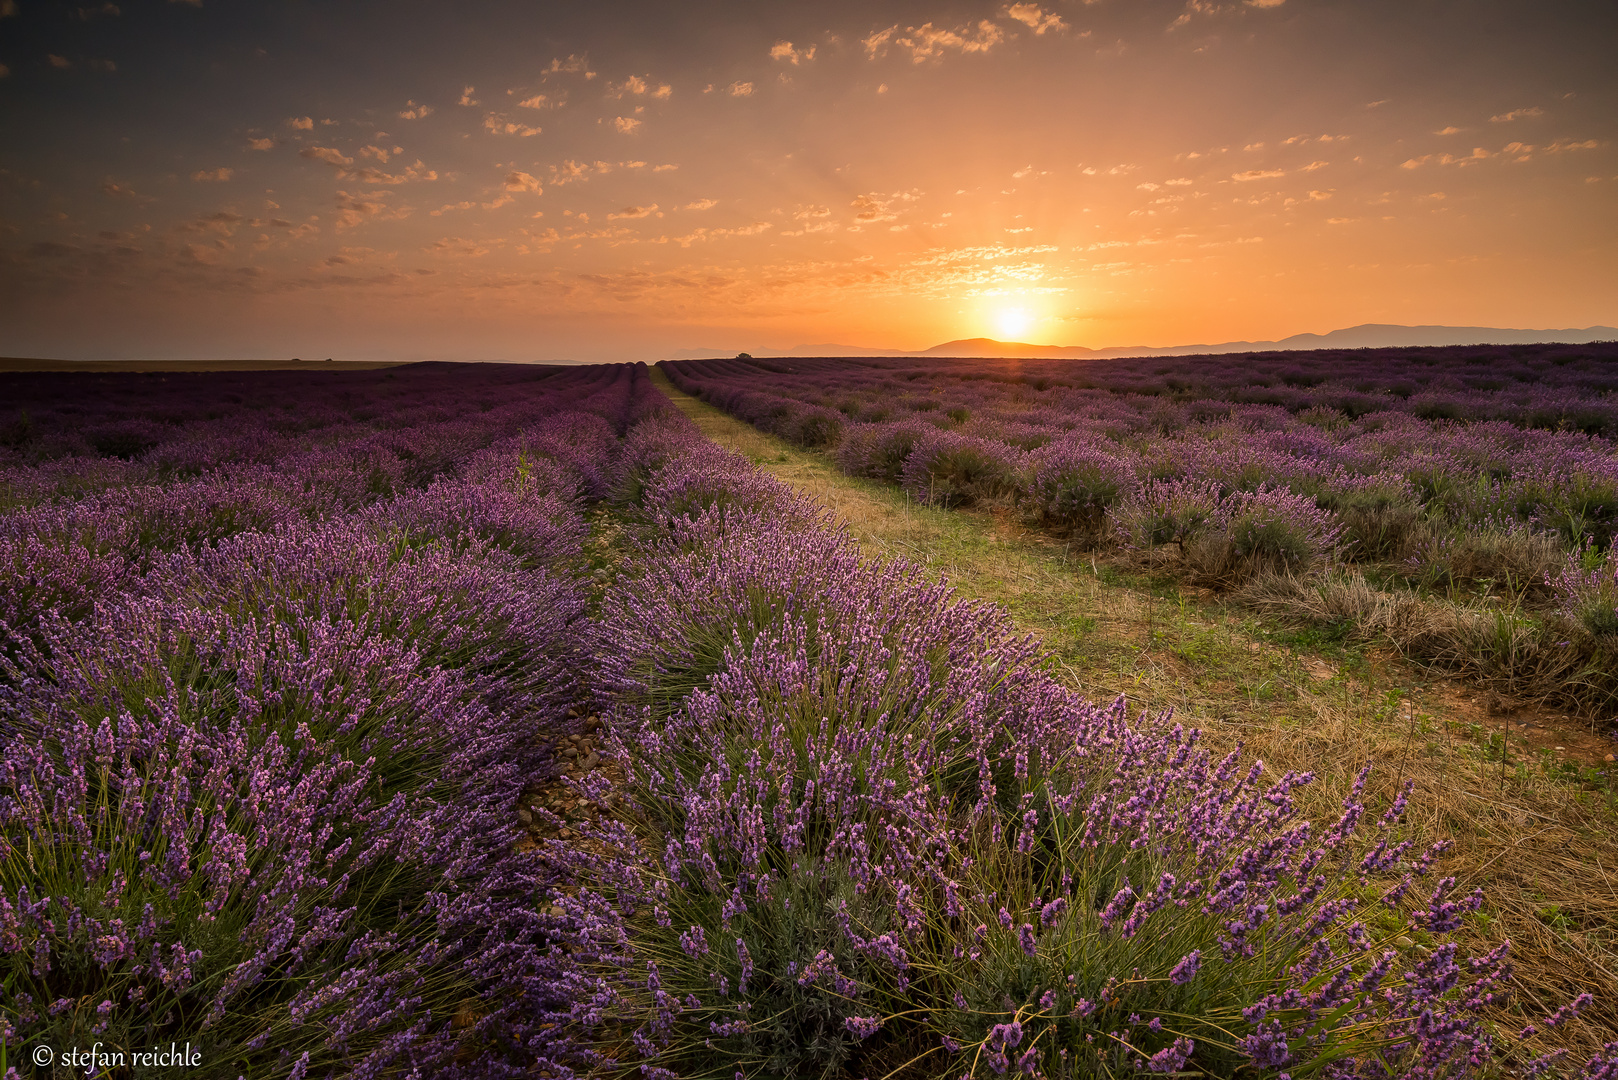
(926,849)
(262,729)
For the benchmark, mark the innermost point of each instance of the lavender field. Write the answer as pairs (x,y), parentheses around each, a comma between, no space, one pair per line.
(489,721)
(1459,502)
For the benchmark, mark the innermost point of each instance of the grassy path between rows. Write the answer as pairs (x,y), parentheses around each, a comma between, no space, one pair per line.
(1537,830)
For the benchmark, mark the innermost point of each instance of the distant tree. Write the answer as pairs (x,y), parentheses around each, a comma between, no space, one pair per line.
(744,356)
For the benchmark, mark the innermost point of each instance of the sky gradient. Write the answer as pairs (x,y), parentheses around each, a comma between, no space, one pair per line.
(617,181)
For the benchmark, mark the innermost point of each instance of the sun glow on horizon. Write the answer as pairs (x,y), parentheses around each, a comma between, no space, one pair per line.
(1013,323)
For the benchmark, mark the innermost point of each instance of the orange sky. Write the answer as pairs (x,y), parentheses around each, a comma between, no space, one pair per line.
(486,181)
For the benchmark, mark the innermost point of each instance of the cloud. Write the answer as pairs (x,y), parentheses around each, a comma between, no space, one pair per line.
(1257,174)
(102,65)
(872,206)
(499,125)
(330,155)
(630,212)
(377,152)
(466,96)
(521,181)
(1313,165)
(1449,130)
(573,65)
(412,111)
(1148,186)
(1036,20)
(740,89)
(261,144)
(1178,181)
(1477,154)
(664,168)
(456,246)
(8,8)
(354,210)
(701,204)
(368,175)
(636,86)
(4,71)
(784,50)
(213,176)
(568,171)
(301,123)
(625,124)
(114,190)
(927,42)
(1516,114)
(539,101)
(59,61)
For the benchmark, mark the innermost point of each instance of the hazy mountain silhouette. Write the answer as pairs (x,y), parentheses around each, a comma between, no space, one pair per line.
(1364,336)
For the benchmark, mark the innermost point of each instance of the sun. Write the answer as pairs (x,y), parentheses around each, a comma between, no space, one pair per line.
(1012,323)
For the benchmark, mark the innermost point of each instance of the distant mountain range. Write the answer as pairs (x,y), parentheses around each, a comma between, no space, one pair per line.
(1364,336)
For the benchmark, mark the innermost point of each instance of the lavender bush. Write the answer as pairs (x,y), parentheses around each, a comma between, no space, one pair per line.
(948,469)
(259,770)
(1072,484)
(871,837)
(1586,591)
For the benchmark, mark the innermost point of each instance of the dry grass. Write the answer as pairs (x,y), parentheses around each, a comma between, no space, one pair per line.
(1530,819)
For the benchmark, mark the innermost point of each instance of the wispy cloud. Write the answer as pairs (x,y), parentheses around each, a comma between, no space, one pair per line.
(301,123)
(1257,174)
(928,42)
(356,210)
(573,65)
(1516,114)
(1035,18)
(521,181)
(112,189)
(213,176)
(329,154)
(638,86)
(630,212)
(625,125)
(501,125)
(412,111)
(784,50)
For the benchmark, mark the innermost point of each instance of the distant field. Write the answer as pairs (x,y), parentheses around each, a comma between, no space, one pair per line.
(1460,502)
(20,363)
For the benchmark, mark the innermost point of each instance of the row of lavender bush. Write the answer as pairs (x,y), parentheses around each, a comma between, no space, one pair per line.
(873,838)
(263,722)
(1222,489)
(260,772)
